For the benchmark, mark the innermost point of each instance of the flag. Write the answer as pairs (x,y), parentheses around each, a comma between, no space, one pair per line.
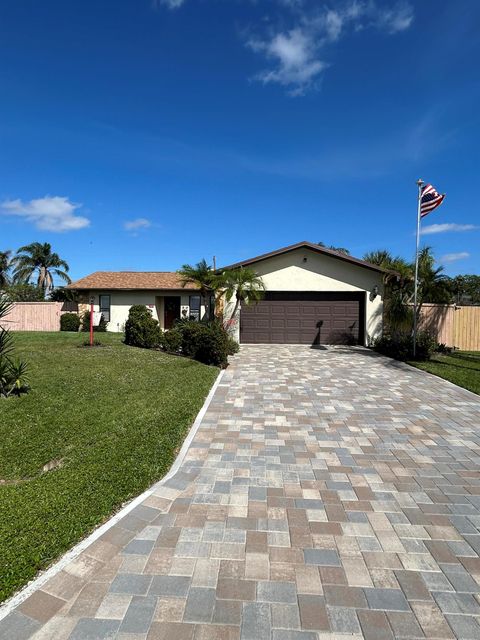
(430,200)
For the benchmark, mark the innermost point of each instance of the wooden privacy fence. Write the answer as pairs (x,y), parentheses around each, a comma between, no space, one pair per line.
(454,326)
(37,316)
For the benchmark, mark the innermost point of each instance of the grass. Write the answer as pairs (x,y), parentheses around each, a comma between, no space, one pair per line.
(109,420)
(460,367)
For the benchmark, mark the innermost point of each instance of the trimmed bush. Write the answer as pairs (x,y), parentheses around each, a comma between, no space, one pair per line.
(69,322)
(141,330)
(400,346)
(102,327)
(171,341)
(207,342)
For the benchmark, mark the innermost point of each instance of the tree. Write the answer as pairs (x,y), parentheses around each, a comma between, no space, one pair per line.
(24,293)
(465,289)
(243,284)
(5,264)
(61,294)
(37,258)
(345,252)
(433,284)
(201,276)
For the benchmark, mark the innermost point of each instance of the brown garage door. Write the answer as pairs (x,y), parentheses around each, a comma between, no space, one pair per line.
(303,318)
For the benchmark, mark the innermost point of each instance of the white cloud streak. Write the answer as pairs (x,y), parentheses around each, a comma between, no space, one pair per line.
(446,228)
(47,214)
(137,224)
(453,257)
(170,4)
(296,56)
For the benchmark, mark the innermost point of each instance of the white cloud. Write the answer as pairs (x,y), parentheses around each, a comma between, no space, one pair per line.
(137,224)
(294,53)
(397,18)
(297,55)
(444,228)
(48,214)
(170,4)
(453,257)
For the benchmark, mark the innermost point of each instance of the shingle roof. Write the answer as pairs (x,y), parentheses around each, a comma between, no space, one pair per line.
(130,280)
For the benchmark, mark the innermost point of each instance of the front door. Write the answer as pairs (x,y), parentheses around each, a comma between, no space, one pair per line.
(172,310)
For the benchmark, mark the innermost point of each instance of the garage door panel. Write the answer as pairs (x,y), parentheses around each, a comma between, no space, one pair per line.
(308,318)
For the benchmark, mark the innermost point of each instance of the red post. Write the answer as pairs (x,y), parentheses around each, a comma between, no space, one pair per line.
(91,322)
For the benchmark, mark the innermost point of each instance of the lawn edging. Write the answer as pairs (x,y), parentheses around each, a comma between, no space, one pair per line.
(430,373)
(17,598)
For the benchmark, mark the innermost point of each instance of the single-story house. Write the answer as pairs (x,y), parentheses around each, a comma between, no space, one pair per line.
(313,295)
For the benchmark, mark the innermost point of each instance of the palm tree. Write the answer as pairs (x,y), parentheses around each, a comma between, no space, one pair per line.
(433,284)
(244,284)
(345,252)
(201,276)
(4,269)
(38,258)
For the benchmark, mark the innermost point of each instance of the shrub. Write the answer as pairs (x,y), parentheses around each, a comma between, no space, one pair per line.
(13,372)
(101,327)
(171,341)
(69,322)
(400,346)
(443,348)
(207,342)
(141,330)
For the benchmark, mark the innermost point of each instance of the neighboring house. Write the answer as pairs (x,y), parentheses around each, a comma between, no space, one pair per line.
(313,296)
(114,292)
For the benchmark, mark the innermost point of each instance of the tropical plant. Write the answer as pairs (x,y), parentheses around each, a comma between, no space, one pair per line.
(38,259)
(345,252)
(23,293)
(466,289)
(13,372)
(433,284)
(243,284)
(5,264)
(201,276)
(61,294)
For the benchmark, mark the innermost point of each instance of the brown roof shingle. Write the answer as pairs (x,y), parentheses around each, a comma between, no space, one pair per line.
(130,280)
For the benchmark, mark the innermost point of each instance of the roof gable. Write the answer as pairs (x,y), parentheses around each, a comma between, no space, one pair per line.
(311,246)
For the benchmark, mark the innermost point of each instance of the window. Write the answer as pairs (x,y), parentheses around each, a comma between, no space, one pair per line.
(195,308)
(104,304)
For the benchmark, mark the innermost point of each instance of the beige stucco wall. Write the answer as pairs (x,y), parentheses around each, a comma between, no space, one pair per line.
(306,270)
(121,301)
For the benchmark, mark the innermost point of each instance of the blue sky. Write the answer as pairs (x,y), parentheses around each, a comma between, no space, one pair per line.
(140,135)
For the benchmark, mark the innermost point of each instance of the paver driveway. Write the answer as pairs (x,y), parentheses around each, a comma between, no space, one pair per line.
(327,493)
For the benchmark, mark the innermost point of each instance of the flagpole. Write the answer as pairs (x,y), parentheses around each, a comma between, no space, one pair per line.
(420,184)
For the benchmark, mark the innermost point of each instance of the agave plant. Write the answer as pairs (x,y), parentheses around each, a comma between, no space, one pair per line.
(13,372)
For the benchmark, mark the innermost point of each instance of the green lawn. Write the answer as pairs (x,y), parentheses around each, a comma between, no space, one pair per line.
(112,417)
(460,367)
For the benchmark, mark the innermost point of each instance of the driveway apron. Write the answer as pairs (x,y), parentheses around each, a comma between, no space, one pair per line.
(328,493)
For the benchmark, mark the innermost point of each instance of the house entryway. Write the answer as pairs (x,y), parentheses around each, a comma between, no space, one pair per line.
(171,311)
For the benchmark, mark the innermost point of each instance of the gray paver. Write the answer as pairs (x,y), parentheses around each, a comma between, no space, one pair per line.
(17,626)
(326,491)
(95,629)
(139,615)
(386,599)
